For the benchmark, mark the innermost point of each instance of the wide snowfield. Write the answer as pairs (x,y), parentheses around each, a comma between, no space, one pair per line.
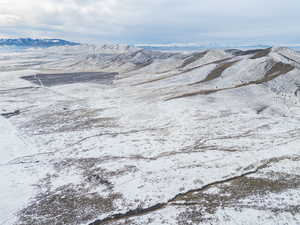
(194,138)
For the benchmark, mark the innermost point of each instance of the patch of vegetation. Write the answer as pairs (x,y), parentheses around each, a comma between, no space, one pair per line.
(67,205)
(199,205)
(64,120)
(73,204)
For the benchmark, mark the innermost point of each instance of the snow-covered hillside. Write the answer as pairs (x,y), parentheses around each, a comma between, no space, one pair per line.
(117,135)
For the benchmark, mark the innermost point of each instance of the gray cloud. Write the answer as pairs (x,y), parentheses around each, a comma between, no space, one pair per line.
(155,21)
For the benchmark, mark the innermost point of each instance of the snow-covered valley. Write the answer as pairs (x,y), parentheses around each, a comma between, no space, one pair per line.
(115,135)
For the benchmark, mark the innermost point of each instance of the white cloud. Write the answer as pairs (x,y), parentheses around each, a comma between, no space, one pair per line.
(152,21)
(9,20)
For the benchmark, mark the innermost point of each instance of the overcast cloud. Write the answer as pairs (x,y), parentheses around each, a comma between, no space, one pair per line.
(154,21)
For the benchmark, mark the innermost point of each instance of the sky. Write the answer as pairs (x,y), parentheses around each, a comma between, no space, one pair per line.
(154,21)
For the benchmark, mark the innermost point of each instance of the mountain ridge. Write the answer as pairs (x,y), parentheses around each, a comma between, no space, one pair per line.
(199,47)
(30,42)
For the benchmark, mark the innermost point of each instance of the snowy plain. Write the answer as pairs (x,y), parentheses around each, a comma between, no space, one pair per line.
(176,138)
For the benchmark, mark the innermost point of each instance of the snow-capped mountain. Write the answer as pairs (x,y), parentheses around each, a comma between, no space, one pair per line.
(29,42)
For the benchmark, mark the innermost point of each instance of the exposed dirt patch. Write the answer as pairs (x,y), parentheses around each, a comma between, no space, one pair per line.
(194,57)
(217,72)
(261,53)
(238,189)
(73,204)
(67,205)
(279,68)
(91,169)
(197,67)
(178,197)
(230,195)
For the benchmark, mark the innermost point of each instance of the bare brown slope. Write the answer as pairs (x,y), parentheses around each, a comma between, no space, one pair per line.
(261,53)
(194,57)
(217,72)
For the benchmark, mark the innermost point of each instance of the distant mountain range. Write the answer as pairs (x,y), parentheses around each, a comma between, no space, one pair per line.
(20,43)
(29,42)
(199,47)
(194,47)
